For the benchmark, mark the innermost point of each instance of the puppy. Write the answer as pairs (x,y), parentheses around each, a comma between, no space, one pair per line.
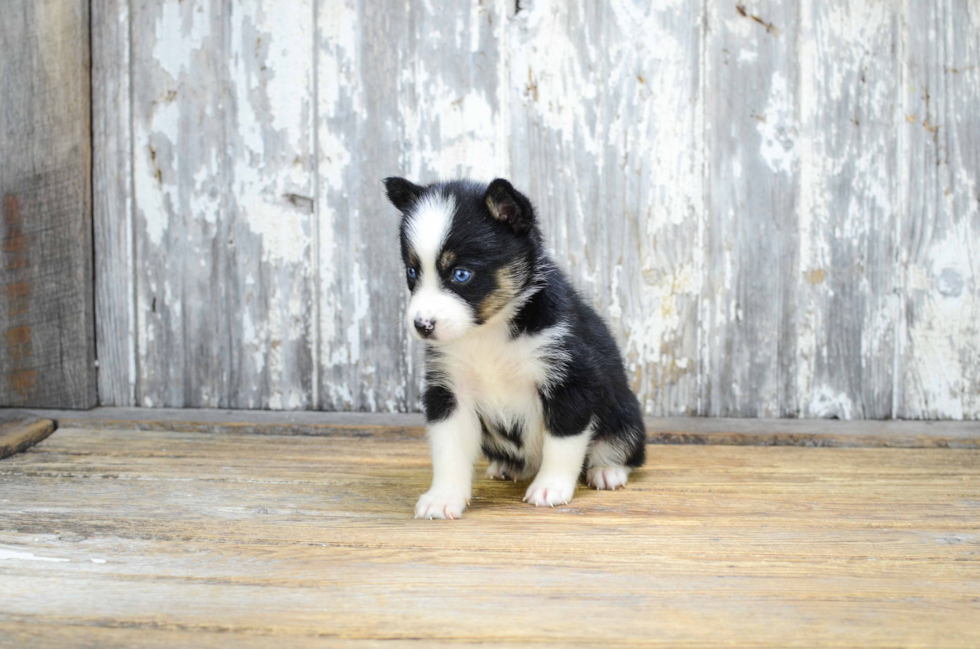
(516,364)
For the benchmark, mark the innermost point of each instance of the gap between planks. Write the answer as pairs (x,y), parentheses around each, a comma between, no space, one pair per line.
(669,430)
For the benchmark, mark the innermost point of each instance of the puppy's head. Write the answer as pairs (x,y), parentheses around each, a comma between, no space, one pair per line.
(468,251)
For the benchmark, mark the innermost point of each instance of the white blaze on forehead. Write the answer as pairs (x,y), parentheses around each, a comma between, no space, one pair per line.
(427,230)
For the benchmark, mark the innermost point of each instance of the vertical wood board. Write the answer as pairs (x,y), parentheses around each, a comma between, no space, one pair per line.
(47,346)
(112,203)
(606,138)
(848,283)
(403,89)
(223,177)
(940,335)
(749,316)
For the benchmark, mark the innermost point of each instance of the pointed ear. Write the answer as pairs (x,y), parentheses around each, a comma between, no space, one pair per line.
(510,206)
(402,193)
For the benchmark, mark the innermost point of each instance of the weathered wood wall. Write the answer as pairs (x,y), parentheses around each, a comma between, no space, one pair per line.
(776,204)
(47,323)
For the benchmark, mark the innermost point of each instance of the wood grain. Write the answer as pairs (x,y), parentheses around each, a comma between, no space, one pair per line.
(112,203)
(408,89)
(223,177)
(19,432)
(940,228)
(47,339)
(848,286)
(752,227)
(246,538)
(607,139)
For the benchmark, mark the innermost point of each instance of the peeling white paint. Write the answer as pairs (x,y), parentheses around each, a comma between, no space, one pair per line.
(777,128)
(337,58)
(288,36)
(361,301)
(605,127)
(11,555)
(829,404)
(547,72)
(179,31)
(155,196)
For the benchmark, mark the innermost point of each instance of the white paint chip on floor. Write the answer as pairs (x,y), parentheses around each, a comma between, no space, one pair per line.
(26,556)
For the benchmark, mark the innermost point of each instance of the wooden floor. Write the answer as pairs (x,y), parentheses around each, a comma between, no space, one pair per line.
(168,539)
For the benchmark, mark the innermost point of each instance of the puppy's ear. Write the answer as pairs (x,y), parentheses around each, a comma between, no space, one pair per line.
(402,193)
(510,206)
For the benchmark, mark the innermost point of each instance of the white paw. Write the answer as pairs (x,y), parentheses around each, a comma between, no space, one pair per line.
(549,491)
(607,477)
(496,471)
(501,471)
(441,504)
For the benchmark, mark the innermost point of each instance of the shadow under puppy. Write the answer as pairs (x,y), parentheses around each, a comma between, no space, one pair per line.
(516,364)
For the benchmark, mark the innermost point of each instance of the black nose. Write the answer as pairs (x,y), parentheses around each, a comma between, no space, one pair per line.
(424,327)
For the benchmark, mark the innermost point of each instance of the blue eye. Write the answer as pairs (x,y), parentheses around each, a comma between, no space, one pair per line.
(411,272)
(461,275)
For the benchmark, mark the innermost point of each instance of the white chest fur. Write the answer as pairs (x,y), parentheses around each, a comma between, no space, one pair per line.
(501,378)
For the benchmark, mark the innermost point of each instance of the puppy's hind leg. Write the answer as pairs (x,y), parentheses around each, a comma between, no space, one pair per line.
(607,477)
(497,470)
(502,470)
(609,462)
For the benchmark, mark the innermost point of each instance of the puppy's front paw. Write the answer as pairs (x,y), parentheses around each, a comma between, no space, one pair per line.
(607,477)
(550,491)
(441,504)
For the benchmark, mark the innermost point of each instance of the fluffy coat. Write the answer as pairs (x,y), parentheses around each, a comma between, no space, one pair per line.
(517,366)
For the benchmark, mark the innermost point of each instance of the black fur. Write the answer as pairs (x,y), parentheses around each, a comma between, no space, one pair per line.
(494,451)
(510,206)
(510,433)
(495,227)
(402,193)
(439,402)
(483,244)
(595,383)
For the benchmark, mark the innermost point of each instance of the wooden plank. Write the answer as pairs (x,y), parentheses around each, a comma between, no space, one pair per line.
(112,203)
(940,230)
(403,89)
(665,430)
(359,50)
(260,537)
(613,163)
(46,303)
(849,282)
(28,634)
(179,114)
(19,432)
(244,422)
(223,176)
(751,240)
(813,433)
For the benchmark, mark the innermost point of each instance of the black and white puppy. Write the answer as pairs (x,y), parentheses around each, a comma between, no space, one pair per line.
(516,364)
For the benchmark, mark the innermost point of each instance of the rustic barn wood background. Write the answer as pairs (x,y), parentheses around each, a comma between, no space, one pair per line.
(47,323)
(775,204)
